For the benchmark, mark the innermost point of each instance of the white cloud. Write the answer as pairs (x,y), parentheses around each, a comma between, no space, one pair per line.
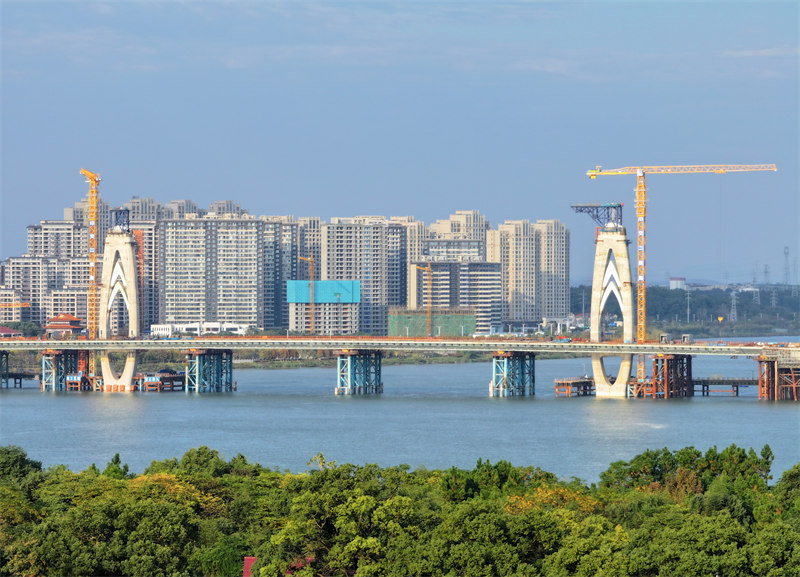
(774,52)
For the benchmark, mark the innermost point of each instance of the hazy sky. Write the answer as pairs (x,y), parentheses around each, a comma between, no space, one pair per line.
(396,108)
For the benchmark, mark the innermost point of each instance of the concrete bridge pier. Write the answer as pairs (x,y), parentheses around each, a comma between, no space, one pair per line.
(513,374)
(358,372)
(209,371)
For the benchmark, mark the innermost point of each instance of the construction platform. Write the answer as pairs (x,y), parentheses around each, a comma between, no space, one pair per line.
(584,387)
(575,387)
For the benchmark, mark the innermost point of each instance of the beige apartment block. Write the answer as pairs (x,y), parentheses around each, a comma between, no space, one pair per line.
(463,224)
(370,249)
(515,245)
(553,270)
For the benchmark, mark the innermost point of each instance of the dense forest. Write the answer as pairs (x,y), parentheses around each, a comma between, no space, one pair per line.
(663,513)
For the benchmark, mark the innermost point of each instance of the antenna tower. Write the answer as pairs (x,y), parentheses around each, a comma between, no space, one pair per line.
(786,265)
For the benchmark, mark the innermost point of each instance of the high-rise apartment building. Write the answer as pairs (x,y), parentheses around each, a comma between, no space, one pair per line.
(515,246)
(310,245)
(553,300)
(180,208)
(37,279)
(465,284)
(212,270)
(370,249)
(281,263)
(58,238)
(78,214)
(144,209)
(222,265)
(463,224)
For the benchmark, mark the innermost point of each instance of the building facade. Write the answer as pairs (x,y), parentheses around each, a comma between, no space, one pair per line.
(553,270)
(335,310)
(370,249)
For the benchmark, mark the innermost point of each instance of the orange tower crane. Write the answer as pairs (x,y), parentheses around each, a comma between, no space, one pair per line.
(641,213)
(311,267)
(429,304)
(92,303)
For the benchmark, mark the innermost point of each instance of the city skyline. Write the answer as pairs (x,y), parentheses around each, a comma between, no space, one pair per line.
(318,109)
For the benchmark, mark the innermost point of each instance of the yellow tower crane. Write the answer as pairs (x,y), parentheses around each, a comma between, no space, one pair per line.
(92,303)
(311,267)
(429,304)
(641,213)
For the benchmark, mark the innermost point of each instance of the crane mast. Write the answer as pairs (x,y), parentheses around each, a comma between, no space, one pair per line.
(641,218)
(429,306)
(311,267)
(92,302)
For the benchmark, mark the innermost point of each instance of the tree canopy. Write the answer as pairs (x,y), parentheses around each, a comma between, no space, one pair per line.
(663,512)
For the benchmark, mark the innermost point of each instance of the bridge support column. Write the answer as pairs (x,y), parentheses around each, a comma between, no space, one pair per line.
(209,371)
(56,365)
(672,377)
(358,372)
(123,382)
(513,374)
(4,369)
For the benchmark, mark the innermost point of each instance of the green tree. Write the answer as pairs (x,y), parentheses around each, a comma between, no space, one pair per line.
(676,541)
(203,461)
(116,469)
(774,550)
(15,464)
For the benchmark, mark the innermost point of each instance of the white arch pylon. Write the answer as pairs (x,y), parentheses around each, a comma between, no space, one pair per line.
(119,279)
(612,277)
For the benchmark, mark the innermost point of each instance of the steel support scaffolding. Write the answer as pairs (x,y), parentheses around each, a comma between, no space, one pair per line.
(776,382)
(209,371)
(358,372)
(56,365)
(513,374)
(4,369)
(672,377)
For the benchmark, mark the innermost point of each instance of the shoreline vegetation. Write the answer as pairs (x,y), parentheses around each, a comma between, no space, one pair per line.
(664,512)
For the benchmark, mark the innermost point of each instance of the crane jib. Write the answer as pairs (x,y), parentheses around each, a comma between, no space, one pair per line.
(682,169)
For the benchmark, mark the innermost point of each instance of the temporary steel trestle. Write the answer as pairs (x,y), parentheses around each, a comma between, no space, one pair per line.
(56,367)
(672,377)
(777,382)
(4,369)
(359,372)
(209,370)
(513,374)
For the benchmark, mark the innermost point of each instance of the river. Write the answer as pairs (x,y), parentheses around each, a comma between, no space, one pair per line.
(433,416)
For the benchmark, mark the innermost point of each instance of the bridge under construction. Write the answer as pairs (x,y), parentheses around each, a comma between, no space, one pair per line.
(209,361)
(71,364)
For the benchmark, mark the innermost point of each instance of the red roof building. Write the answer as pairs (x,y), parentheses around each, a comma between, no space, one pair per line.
(7,333)
(63,325)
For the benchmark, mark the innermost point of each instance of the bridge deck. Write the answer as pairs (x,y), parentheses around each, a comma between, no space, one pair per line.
(785,354)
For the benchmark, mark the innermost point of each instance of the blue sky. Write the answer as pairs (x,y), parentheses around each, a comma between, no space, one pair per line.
(395,108)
